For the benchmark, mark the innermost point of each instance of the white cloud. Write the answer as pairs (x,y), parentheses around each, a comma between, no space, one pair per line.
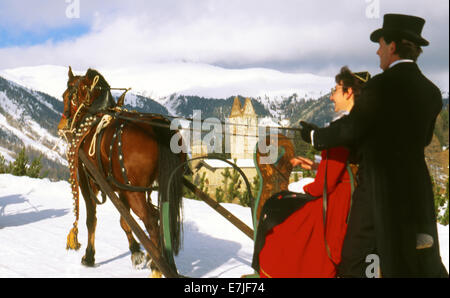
(235,37)
(307,36)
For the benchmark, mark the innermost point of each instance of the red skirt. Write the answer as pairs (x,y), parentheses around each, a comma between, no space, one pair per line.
(296,247)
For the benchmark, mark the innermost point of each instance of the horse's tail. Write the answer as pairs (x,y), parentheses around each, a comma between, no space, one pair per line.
(168,162)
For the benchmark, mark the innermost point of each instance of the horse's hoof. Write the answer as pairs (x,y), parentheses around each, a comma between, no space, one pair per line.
(89,262)
(139,260)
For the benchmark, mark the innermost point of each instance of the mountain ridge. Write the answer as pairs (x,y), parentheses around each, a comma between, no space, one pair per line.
(28,118)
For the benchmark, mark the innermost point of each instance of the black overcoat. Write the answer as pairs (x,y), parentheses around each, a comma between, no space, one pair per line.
(390,125)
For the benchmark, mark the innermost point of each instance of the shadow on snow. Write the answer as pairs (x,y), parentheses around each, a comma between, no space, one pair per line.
(24,218)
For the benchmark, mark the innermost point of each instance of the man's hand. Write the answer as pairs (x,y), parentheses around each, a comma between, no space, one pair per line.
(306,131)
(304,162)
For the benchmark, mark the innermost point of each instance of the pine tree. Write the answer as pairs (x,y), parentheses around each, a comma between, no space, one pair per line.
(226,176)
(19,166)
(187,193)
(234,186)
(244,198)
(35,168)
(201,182)
(3,167)
(219,195)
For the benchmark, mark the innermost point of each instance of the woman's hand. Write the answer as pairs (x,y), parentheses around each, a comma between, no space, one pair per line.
(304,162)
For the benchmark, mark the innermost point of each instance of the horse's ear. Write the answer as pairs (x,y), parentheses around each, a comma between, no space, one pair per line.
(70,73)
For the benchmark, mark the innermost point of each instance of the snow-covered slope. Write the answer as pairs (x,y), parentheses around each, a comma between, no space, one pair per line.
(28,119)
(161,80)
(50,79)
(172,84)
(36,215)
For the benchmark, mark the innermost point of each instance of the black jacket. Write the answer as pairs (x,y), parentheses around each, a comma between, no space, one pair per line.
(390,125)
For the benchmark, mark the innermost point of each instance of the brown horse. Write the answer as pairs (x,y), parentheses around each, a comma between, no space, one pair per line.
(131,154)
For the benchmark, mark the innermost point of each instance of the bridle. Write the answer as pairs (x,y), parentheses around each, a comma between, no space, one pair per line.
(75,105)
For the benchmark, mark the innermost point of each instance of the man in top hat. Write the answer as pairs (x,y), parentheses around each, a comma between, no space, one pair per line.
(392,218)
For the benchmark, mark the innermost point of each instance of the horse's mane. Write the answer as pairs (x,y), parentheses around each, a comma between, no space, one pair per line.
(105,100)
(91,73)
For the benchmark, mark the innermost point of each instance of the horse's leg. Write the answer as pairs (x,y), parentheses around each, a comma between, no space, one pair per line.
(149,216)
(91,221)
(137,256)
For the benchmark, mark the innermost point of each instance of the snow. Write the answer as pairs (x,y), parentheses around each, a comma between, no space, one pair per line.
(240,162)
(9,106)
(31,133)
(29,140)
(36,215)
(44,102)
(7,154)
(443,243)
(50,79)
(268,122)
(160,80)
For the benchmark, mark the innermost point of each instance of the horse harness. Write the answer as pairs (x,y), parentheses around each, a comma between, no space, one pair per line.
(80,127)
(117,138)
(90,124)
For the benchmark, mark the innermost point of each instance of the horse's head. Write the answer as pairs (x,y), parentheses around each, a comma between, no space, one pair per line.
(70,99)
(85,94)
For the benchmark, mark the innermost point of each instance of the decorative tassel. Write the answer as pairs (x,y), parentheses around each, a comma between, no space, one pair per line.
(72,238)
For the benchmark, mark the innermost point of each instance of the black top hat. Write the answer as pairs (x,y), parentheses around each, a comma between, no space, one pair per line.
(405,26)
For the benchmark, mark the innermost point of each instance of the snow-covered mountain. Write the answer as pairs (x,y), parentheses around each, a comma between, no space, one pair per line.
(184,87)
(159,81)
(27,119)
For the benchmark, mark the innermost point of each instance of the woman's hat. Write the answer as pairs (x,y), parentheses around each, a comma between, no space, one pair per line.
(405,26)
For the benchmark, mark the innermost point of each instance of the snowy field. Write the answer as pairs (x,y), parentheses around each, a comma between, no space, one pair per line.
(36,215)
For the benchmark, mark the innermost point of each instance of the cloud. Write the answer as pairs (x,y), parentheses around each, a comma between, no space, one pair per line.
(293,36)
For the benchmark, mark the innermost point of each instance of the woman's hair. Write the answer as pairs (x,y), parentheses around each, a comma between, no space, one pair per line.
(349,80)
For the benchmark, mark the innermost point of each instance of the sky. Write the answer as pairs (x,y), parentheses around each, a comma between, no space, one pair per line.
(292,36)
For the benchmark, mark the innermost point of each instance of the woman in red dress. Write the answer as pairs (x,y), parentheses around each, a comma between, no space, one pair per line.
(300,246)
